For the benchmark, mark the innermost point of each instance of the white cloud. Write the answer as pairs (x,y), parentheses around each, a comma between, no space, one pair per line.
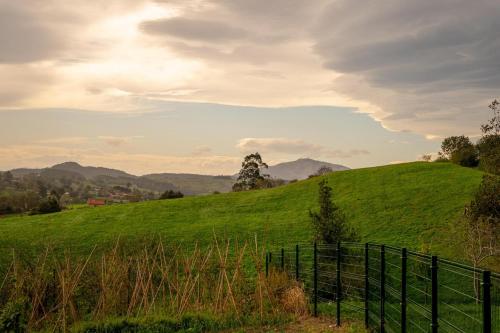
(295,147)
(72,140)
(117,141)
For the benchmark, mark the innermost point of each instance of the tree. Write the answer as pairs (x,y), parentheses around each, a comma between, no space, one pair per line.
(426,157)
(169,194)
(321,171)
(493,125)
(329,223)
(49,205)
(489,144)
(482,224)
(460,150)
(250,174)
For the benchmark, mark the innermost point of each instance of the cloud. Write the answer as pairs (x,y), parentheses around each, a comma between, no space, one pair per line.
(73,140)
(294,146)
(428,66)
(38,156)
(202,150)
(25,36)
(193,29)
(117,141)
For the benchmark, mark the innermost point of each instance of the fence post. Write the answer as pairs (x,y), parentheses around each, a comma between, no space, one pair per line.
(434,295)
(297,262)
(339,283)
(267,264)
(404,259)
(367,285)
(382,288)
(486,302)
(315,279)
(282,259)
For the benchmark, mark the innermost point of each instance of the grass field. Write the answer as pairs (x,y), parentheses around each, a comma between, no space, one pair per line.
(404,205)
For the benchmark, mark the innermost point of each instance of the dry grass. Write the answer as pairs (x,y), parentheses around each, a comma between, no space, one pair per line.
(225,278)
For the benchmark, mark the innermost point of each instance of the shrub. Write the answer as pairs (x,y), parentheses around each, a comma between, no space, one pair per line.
(49,205)
(12,316)
(169,194)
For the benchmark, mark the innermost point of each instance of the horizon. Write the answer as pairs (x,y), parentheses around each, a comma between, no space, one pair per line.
(192,86)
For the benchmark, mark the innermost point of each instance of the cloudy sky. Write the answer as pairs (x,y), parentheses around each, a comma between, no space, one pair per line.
(193,85)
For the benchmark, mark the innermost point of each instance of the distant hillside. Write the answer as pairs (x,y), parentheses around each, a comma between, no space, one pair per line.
(90,171)
(189,184)
(405,205)
(300,169)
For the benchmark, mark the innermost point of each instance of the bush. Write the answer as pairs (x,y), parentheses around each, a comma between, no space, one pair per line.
(50,205)
(489,153)
(466,156)
(169,194)
(12,316)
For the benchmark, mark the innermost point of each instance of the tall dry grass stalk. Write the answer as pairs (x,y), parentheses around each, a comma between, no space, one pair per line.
(224,278)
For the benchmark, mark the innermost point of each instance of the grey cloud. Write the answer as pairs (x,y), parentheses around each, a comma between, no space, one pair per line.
(24,37)
(430,65)
(194,29)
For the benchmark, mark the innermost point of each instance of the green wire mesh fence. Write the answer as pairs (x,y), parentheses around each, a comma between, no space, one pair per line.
(392,289)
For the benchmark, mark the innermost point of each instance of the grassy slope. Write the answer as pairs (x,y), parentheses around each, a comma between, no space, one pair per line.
(404,205)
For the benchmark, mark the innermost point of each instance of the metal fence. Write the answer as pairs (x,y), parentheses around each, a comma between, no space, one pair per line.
(392,289)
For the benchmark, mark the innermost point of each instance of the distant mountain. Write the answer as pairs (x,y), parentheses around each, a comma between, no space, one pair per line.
(189,184)
(90,171)
(300,169)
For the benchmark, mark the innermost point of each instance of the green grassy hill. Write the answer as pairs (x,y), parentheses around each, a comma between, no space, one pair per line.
(404,205)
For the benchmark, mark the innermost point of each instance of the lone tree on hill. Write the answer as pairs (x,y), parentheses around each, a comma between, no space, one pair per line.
(460,150)
(250,175)
(329,223)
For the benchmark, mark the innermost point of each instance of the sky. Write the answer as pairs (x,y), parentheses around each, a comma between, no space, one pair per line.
(193,85)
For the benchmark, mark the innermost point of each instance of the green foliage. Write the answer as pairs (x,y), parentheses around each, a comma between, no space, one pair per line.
(169,194)
(400,204)
(486,201)
(49,205)
(13,316)
(460,150)
(466,156)
(250,175)
(187,323)
(330,225)
(489,153)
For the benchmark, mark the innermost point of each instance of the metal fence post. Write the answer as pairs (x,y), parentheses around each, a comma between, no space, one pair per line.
(382,288)
(297,262)
(404,259)
(339,283)
(282,259)
(367,285)
(434,295)
(267,264)
(486,302)
(315,279)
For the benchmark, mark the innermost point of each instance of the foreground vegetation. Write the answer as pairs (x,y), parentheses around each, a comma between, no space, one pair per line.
(413,204)
(158,289)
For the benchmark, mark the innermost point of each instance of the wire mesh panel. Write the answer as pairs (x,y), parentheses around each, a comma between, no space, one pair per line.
(418,293)
(459,301)
(392,289)
(352,277)
(374,279)
(392,306)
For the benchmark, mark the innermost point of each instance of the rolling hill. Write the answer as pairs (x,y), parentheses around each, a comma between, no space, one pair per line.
(406,205)
(300,169)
